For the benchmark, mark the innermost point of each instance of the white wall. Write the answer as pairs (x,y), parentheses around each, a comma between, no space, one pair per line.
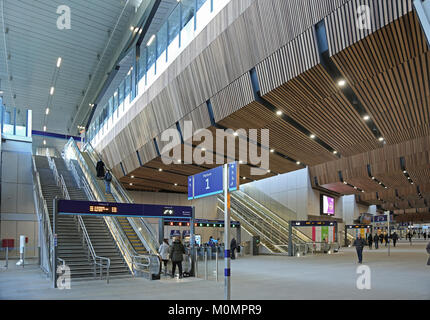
(18,215)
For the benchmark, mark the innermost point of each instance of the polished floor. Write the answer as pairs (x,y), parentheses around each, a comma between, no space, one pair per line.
(402,275)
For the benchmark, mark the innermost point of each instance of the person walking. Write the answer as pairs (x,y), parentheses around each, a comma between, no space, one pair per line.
(381,238)
(428,251)
(370,241)
(233,246)
(163,250)
(100,168)
(376,240)
(410,237)
(176,251)
(386,238)
(395,237)
(359,245)
(108,179)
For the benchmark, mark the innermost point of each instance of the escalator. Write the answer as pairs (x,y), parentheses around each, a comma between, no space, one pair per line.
(258,220)
(135,236)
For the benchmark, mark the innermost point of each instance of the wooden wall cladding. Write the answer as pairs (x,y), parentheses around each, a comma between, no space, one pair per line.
(232,98)
(200,120)
(341,25)
(245,33)
(298,56)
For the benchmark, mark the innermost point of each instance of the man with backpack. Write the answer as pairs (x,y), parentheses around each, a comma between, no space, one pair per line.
(108,179)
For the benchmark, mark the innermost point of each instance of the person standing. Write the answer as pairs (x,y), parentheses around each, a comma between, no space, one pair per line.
(395,237)
(428,251)
(386,238)
(163,250)
(376,240)
(359,245)
(381,238)
(233,246)
(370,240)
(410,237)
(108,179)
(177,251)
(100,168)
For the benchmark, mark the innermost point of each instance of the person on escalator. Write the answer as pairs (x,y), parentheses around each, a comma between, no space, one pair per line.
(100,168)
(177,251)
(108,179)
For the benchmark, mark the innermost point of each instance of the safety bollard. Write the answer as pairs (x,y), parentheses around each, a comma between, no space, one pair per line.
(216,262)
(206,265)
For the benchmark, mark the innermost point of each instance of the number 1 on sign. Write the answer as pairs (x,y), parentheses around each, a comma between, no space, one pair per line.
(207,184)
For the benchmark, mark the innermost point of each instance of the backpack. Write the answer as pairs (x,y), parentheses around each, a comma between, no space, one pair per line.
(108,177)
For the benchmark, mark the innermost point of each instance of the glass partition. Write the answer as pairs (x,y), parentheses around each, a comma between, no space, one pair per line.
(185,22)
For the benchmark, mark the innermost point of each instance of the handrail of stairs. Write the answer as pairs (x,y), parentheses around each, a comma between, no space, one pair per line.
(86,241)
(45,229)
(122,195)
(95,194)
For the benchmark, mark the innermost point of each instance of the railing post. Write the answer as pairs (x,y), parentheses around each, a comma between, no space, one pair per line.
(216,262)
(206,264)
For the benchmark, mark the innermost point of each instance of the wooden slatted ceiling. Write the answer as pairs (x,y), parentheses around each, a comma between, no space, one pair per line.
(389,72)
(313,100)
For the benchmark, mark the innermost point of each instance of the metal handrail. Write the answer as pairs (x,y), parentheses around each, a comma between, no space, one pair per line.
(273,216)
(85,237)
(117,233)
(273,237)
(121,195)
(149,259)
(43,216)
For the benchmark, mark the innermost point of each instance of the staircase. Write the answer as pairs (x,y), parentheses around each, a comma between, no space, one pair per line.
(70,247)
(103,243)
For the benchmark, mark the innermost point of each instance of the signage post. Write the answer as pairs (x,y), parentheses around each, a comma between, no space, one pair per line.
(55,244)
(388,233)
(192,242)
(227,280)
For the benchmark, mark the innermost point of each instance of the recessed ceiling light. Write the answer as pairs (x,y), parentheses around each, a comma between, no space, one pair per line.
(373,178)
(380,182)
(151,40)
(313,136)
(131,184)
(132,177)
(355,188)
(279,113)
(203,149)
(272,150)
(298,163)
(345,182)
(176,184)
(240,161)
(335,152)
(59,62)
(362,191)
(341,83)
(244,178)
(179,161)
(131,28)
(366,118)
(51,92)
(160,169)
(405,172)
(44,142)
(47,111)
(235,134)
(381,139)
(268,171)
(44,128)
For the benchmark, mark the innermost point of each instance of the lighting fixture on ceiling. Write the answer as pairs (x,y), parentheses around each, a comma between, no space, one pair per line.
(203,149)
(179,161)
(47,111)
(405,172)
(373,178)
(381,139)
(345,182)
(279,113)
(341,83)
(176,184)
(235,134)
(312,136)
(131,28)
(59,62)
(244,178)
(366,118)
(132,177)
(151,40)
(44,128)
(298,163)
(160,169)
(268,171)
(51,92)
(272,150)
(44,142)
(335,152)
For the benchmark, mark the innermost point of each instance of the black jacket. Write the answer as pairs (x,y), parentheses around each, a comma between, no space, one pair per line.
(233,244)
(176,251)
(100,168)
(428,251)
(359,243)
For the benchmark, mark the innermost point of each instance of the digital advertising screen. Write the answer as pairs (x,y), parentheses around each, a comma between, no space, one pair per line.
(327,205)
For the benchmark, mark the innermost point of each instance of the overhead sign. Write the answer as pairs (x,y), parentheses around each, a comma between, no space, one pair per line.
(198,222)
(211,182)
(358,226)
(92,208)
(313,223)
(381,218)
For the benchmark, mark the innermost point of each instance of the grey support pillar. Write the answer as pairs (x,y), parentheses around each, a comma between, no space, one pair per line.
(192,241)
(160,230)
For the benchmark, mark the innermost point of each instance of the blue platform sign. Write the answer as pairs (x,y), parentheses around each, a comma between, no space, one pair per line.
(210,182)
(92,208)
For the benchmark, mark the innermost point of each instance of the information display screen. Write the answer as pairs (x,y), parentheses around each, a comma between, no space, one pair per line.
(327,205)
